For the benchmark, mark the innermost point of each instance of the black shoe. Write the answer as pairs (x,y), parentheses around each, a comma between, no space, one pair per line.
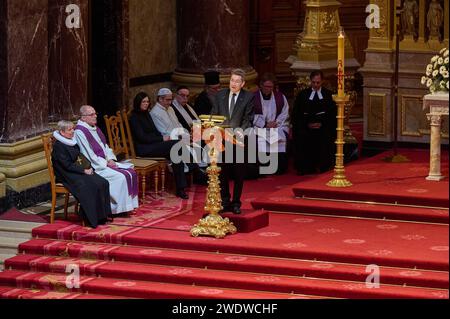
(226,208)
(182,194)
(236,210)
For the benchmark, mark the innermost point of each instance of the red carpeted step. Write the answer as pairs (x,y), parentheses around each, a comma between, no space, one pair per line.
(360,241)
(133,288)
(217,278)
(249,221)
(255,264)
(20,293)
(377,181)
(285,201)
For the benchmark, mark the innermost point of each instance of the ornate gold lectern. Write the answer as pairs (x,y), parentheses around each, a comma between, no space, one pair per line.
(213,224)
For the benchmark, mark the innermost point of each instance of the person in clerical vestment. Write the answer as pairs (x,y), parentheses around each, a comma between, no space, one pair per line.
(123,180)
(272,120)
(90,189)
(314,128)
(184,112)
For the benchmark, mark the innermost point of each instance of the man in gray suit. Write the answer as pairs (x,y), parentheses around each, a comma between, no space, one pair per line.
(236,104)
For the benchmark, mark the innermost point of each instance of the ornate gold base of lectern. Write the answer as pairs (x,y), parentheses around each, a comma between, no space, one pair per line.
(213,225)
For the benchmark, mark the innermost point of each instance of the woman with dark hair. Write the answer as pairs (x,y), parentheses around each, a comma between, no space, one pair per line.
(149,142)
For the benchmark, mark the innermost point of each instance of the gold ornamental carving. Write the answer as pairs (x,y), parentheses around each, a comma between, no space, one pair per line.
(213,225)
(329,23)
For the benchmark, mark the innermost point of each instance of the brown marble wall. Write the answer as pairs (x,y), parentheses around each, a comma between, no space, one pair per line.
(24,105)
(68,60)
(153,36)
(3,68)
(152,44)
(212,34)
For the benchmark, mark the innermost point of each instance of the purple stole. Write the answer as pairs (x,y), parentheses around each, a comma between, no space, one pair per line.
(129,173)
(279,101)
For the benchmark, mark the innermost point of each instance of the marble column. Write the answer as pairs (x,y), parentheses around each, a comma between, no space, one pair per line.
(23,69)
(68,60)
(23,101)
(435,147)
(212,35)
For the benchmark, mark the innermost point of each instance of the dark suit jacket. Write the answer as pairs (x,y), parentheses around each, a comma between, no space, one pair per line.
(243,112)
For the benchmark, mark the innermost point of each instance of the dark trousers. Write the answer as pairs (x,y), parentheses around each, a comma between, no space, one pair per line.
(162,149)
(237,172)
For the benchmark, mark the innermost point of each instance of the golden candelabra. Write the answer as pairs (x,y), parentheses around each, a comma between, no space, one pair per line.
(213,224)
(339,179)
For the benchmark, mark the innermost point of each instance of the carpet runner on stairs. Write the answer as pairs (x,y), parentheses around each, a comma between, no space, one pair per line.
(285,201)
(231,262)
(311,257)
(377,181)
(308,248)
(22,293)
(208,278)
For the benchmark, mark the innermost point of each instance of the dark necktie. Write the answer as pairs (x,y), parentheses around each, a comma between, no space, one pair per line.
(233,102)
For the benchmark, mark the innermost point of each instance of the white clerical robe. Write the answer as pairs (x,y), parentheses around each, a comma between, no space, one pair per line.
(120,200)
(272,140)
(184,113)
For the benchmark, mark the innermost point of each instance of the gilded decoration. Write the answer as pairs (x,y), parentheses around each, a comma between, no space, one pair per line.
(329,21)
(214,224)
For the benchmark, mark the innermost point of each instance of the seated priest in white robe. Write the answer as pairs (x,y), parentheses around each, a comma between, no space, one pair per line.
(272,121)
(123,180)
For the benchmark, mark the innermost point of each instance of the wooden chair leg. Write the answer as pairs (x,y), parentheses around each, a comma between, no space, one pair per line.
(163,178)
(66,205)
(143,187)
(156,176)
(52,210)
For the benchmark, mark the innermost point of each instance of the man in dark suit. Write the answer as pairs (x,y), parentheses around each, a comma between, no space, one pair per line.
(236,104)
(314,128)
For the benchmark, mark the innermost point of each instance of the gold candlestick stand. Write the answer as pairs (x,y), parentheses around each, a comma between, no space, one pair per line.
(339,179)
(213,224)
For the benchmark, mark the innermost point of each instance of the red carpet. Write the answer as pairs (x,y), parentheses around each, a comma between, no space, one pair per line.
(312,252)
(375,180)
(285,201)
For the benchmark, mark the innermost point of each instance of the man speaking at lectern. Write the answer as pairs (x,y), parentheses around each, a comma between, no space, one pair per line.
(236,104)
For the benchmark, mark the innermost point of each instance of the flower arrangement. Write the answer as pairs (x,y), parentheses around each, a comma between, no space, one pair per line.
(436,75)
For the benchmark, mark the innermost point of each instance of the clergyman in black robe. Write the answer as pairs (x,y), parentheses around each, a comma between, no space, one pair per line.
(90,189)
(314,128)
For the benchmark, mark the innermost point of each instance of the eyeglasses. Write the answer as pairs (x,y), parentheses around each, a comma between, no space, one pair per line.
(90,114)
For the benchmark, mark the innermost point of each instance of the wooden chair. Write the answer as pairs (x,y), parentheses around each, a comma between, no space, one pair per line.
(118,143)
(56,188)
(161,160)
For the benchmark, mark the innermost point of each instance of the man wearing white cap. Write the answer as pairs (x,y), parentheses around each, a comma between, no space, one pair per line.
(164,116)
